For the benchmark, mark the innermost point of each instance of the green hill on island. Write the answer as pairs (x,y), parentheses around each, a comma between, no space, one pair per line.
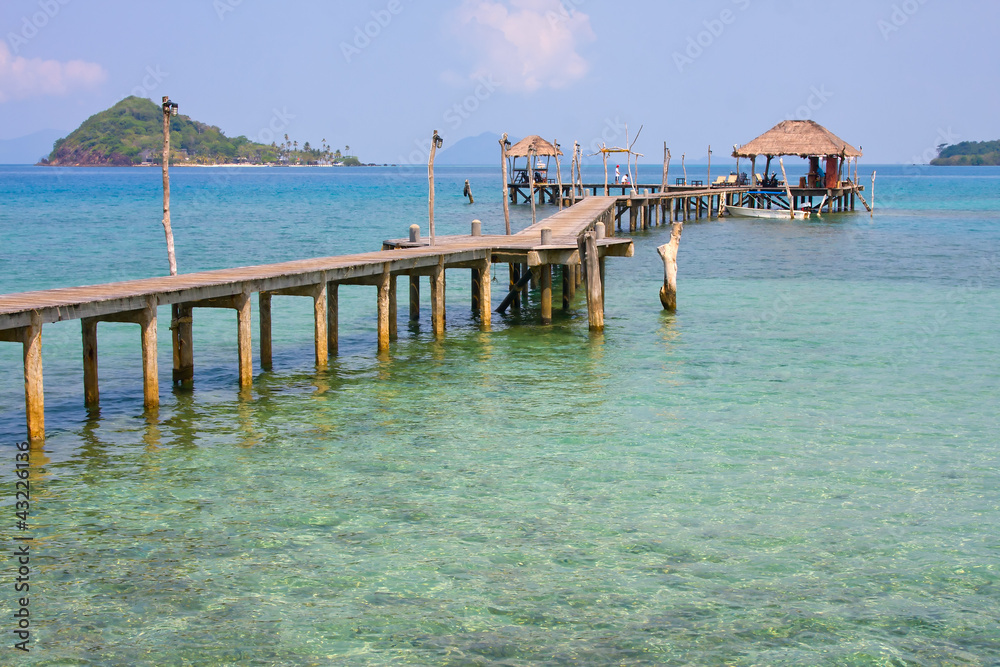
(969,153)
(131,133)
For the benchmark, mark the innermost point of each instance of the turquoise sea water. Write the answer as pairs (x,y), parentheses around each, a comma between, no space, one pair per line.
(799,467)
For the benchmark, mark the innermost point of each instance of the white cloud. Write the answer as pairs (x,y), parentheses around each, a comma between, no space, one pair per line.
(527,44)
(22,77)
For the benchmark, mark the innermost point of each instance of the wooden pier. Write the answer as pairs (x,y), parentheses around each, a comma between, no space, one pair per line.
(650,204)
(572,238)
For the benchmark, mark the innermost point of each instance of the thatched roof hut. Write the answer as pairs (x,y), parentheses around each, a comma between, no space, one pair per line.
(805,138)
(534,145)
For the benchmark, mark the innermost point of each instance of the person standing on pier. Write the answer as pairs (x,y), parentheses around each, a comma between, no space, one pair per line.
(618,174)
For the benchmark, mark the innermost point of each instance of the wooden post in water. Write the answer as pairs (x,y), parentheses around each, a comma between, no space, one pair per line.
(183,342)
(266,349)
(150,374)
(477,274)
(485,292)
(321,339)
(393,309)
(91,392)
(332,318)
(467,192)
(437,298)
(383,310)
(414,297)
(545,281)
(34,400)
(242,304)
(587,246)
(668,251)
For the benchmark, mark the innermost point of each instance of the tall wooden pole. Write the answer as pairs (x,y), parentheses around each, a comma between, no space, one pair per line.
(167,110)
(558,174)
(430,184)
(506,187)
(684,167)
(666,167)
(531,183)
(579,171)
(605,154)
(709,181)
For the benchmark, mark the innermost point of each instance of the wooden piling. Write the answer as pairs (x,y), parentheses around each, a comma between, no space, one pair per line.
(414,297)
(437,298)
(383,310)
(150,373)
(91,392)
(545,279)
(393,312)
(321,339)
(476,288)
(595,297)
(34,399)
(266,349)
(183,343)
(332,318)
(485,295)
(241,302)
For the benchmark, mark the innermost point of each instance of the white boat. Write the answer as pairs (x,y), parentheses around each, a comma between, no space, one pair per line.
(769,213)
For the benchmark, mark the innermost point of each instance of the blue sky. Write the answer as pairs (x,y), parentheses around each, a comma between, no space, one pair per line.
(897,77)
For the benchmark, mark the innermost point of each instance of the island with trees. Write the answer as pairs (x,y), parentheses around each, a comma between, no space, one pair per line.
(975,153)
(130,133)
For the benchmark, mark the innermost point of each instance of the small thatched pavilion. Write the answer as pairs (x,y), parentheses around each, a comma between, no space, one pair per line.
(532,146)
(807,139)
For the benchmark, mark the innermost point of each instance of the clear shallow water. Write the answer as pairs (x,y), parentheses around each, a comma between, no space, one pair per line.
(799,467)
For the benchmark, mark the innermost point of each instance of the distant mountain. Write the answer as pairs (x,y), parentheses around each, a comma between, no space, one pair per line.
(30,148)
(481,149)
(969,153)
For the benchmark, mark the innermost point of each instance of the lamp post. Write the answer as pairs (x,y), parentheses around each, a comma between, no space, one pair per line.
(436,143)
(169,109)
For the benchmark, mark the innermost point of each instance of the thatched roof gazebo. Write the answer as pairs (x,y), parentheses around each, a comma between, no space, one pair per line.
(807,139)
(533,145)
